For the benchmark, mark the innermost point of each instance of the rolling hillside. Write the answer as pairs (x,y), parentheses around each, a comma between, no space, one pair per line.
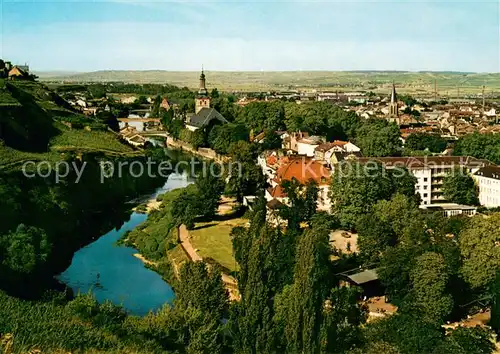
(30,127)
(411,82)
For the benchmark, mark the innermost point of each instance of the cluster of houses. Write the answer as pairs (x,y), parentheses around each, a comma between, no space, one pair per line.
(15,72)
(289,163)
(450,117)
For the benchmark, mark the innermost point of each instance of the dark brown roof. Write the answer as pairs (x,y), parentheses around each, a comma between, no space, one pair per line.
(204,116)
(490,171)
(274,204)
(324,147)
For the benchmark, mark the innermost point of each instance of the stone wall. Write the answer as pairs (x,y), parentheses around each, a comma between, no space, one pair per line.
(201,152)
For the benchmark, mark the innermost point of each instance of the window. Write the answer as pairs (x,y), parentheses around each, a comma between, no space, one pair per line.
(425,179)
(425,187)
(425,195)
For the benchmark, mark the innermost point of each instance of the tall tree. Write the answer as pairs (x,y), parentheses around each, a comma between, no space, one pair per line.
(459,187)
(355,188)
(480,249)
(300,306)
(430,279)
(210,188)
(377,137)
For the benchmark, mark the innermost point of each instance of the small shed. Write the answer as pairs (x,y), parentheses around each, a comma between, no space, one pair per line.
(366,279)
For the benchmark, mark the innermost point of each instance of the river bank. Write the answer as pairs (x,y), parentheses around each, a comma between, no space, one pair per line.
(205,153)
(122,274)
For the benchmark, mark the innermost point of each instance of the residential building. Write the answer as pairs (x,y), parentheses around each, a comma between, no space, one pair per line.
(488,183)
(430,172)
(301,169)
(336,151)
(16,73)
(306,146)
(165,104)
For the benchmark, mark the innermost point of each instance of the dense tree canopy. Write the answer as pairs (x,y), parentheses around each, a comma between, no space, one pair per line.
(422,141)
(459,187)
(355,188)
(378,137)
(481,146)
(479,247)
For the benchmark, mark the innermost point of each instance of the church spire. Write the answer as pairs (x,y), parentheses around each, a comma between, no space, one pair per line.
(393,93)
(393,106)
(203,89)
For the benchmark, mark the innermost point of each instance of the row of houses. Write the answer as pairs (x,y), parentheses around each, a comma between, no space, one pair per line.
(429,171)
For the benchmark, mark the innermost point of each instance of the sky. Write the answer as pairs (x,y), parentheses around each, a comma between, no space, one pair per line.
(260,35)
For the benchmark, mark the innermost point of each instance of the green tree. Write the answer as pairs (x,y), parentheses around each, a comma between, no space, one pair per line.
(201,287)
(467,340)
(459,187)
(303,202)
(378,137)
(244,177)
(422,141)
(479,249)
(430,279)
(355,188)
(495,305)
(410,334)
(210,188)
(198,139)
(214,93)
(299,309)
(25,249)
(481,146)
(342,320)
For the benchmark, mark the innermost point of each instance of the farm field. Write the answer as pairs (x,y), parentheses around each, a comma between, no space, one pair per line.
(448,83)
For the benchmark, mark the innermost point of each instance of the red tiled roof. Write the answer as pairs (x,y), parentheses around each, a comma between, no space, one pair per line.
(340,143)
(271,160)
(303,169)
(277,192)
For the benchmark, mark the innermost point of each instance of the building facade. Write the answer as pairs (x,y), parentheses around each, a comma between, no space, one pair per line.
(430,172)
(488,183)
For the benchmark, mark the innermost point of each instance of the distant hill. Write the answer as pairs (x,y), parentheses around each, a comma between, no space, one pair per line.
(412,82)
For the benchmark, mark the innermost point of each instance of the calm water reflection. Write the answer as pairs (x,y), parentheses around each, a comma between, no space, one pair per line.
(112,273)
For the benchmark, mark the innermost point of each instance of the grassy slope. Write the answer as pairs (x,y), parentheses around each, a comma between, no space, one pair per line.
(66,140)
(414,82)
(55,328)
(212,239)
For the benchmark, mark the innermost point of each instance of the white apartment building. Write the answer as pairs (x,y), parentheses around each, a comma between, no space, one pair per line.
(430,172)
(488,182)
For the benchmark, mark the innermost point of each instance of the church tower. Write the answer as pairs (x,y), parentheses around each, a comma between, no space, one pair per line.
(202,100)
(393,106)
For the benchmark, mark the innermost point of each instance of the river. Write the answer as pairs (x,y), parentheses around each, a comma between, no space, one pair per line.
(112,273)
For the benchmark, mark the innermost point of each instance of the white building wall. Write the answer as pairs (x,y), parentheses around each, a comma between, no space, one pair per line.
(424,184)
(489,191)
(350,147)
(306,149)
